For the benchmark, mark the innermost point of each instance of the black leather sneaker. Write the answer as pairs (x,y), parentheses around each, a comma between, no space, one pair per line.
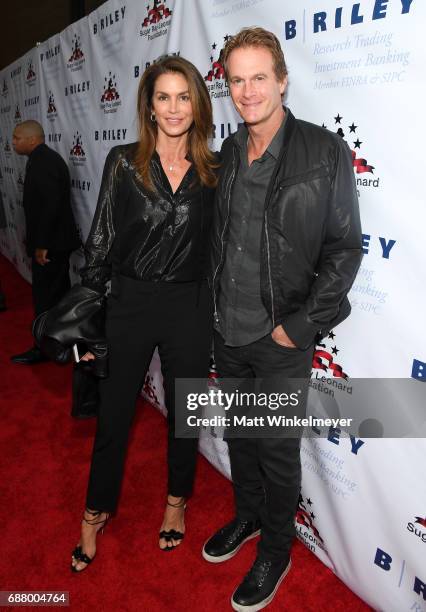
(227,541)
(258,588)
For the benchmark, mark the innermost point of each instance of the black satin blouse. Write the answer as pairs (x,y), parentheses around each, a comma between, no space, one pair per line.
(161,237)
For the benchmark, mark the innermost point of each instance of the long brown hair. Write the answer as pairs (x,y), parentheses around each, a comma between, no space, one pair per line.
(200,131)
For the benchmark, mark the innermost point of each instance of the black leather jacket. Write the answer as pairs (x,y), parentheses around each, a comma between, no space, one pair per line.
(311,236)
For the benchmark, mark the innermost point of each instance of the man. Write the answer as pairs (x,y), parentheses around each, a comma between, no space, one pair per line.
(51,233)
(286,249)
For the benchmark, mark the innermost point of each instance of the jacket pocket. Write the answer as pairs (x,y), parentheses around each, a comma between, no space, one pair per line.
(304,177)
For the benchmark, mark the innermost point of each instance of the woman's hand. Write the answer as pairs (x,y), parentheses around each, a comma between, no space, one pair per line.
(87,356)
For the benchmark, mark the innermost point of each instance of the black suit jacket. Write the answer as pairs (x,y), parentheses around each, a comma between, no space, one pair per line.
(49,219)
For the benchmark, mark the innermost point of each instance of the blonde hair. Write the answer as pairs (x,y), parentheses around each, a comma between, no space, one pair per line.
(256,37)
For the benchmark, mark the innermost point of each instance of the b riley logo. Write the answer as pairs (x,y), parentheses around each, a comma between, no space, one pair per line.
(110,100)
(77,58)
(418,370)
(51,107)
(77,154)
(157,20)
(215,77)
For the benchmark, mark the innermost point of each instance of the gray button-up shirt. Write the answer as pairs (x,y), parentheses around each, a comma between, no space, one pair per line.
(242,316)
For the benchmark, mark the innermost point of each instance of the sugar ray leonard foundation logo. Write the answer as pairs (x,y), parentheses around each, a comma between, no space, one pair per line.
(150,390)
(18,117)
(325,354)
(30,79)
(77,154)
(215,78)
(20,182)
(51,113)
(7,148)
(77,59)
(306,529)
(110,99)
(157,20)
(418,528)
(4,89)
(360,164)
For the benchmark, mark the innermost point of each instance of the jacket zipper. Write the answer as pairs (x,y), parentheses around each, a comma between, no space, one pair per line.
(269,269)
(216,316)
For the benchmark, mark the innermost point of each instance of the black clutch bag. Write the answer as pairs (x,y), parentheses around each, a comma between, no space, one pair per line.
(79,318)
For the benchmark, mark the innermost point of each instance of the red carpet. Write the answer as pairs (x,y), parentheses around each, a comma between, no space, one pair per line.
(45,458)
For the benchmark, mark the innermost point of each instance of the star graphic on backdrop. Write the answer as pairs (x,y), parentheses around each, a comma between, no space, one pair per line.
(226,38)
(352,127)
(334,350)
(338,119)
(331,335)
(300,499)
(147,7)
(313,516)
(309,501)
(357,143)
(211,58)
(324,126)
(214,45)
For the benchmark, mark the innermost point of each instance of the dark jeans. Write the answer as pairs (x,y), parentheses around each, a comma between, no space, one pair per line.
(266,473)
(176,317)
(51,281)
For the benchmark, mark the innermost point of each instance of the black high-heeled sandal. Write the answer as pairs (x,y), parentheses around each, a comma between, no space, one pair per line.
(172,534)
(78,553)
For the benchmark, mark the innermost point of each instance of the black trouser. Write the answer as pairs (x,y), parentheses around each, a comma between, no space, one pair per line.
(51,281)
(176,317)
(266,472)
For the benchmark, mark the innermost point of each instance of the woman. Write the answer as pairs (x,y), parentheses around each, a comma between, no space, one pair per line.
(149,236)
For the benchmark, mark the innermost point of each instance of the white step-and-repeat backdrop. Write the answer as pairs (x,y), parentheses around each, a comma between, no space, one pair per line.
(358,69)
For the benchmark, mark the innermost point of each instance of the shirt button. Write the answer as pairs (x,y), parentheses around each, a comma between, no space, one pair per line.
(233,280)
(239,248)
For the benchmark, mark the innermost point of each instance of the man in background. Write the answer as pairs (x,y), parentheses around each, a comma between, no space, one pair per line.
(51,233)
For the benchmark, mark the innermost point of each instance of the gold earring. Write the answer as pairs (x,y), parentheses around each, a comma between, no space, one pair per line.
(152,117)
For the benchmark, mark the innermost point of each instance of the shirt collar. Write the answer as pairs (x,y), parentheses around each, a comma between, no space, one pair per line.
(37,148)
(274,146)
(276,143)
